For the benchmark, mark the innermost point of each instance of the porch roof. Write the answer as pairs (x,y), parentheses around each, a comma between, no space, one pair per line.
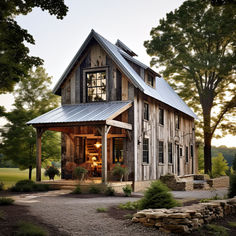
(82,113)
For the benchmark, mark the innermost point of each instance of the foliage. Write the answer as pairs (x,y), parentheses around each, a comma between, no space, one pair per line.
(129,205)
(119,171)
(232,224)
(94,190)
(109,191)
(195,45)
(77,190)
(29,186)
(79,172)
(200,160)
(15,61)
(29,229)
(228,153)
(101,209)
(232,185)
(219,166)
(222,2)
(51,171)
(216,230)
(6,201)
(157,196)
(32,98)
(127,190)
(234,163)
(1,186)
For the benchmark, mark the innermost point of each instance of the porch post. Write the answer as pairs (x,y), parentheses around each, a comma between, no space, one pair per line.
(104,154)
(38,153)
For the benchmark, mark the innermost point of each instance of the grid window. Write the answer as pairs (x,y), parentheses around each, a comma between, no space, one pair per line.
(150,80)
(145,150)
(161,152)
(170,153)
(186,154)
(96,86)
(161,116)
(146,111)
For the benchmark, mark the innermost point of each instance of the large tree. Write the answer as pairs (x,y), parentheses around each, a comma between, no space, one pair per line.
(196,46)
(32,98)
(15,61)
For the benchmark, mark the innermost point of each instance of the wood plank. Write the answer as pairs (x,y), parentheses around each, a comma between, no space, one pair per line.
(120,111)
(119,124)
(104,154)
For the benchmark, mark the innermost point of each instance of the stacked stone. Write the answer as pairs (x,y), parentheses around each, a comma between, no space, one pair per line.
(185,219)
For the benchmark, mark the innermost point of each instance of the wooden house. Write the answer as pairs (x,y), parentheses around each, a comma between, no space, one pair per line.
(114,109)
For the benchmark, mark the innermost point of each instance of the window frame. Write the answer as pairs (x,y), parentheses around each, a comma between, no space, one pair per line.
(146,112)
(150,82)
(170,153)
(161,157)
(113,150)
(146,159)
(85,87)
(163,116)
(186,154)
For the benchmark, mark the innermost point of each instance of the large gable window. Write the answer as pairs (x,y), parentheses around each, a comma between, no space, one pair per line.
(96,86)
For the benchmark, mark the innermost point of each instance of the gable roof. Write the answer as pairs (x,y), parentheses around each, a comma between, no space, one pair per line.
(163,92)
(125,48)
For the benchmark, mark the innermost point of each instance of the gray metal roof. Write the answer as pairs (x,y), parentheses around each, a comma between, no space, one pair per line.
(125,48)
(86,112)
(163,91)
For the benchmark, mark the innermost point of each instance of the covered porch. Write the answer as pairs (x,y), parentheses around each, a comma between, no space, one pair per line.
(95,136)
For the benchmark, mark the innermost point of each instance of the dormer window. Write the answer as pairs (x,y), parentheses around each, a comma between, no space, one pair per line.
(150,80)
(96,86)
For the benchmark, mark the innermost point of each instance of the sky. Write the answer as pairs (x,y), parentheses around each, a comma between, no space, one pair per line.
(57,41)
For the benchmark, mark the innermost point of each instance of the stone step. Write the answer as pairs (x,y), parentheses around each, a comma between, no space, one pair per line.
(200,184)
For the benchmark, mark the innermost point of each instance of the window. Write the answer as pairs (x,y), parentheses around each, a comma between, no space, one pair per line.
(177,121)
(161,116)
(118,151)
(181,151)
(96,86)
(146,111)
(170,158)
(161,152)
(145,150)
(150,80)
(191,150)
(186,154)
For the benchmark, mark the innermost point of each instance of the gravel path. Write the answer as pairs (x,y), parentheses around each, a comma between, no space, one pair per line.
(78,216)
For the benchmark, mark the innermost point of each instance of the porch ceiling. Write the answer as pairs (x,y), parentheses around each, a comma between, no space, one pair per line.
(96,113)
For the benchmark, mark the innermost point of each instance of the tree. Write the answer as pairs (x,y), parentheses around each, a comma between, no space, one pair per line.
(32,98)
(196,46)
(234,163)
(15,61)
(222,2)
(219,166)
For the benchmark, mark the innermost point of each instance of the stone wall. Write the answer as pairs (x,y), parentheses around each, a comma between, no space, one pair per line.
(185,219)
(221,182)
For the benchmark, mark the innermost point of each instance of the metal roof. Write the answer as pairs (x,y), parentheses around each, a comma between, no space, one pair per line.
(86,112)
(163,91)
(125,48)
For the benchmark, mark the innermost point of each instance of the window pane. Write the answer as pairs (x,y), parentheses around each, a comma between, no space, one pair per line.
(118,151)
(161,152)
(170,159)
(161,116)
(186,154)
(145,150)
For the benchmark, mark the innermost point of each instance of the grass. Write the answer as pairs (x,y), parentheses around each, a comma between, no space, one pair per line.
(216,230)
(101,209)
(232,224)
(4,201)
(9,176)
(216,197)
(129,206)
(128,216)
(29,229)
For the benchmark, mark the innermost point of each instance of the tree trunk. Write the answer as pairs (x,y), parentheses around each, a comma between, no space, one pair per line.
(30,172)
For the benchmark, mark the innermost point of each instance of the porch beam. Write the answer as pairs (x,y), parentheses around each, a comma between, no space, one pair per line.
(39,133)
(104,153)
(119,124)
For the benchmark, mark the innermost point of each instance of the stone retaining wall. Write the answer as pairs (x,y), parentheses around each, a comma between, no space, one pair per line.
(221,182)
(185,219)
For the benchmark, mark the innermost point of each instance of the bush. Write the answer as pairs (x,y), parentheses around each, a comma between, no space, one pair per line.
(29,229)
(127,190)
(77,190)
(157,196)
(119,171)
(1,186)
(129,206)
(4,201)
(29,186)
(51,171)
(109,191)
(219,166)
(94,190)
(232,185)
(79,172)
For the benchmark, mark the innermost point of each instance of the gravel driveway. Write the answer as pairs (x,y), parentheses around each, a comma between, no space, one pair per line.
(78,216)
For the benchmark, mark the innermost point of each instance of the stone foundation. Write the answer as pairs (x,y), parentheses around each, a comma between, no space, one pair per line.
(185,219)
(221,182)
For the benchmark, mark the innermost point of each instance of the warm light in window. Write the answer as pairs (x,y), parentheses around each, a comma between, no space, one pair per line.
(97,144)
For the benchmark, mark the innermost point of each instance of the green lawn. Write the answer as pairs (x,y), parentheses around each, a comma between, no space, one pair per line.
(9,176)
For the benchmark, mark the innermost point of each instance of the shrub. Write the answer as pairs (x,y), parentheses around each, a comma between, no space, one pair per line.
(127,190)
(41,187)
(6,201)
(1,186)
(94,190)
(129,205)
(101,209)
(119,171)
(77,190)
(29,186)
(79,172)
(109,191)
(232,185)
(157,196)
(219,166)
(29,229)
(51,171)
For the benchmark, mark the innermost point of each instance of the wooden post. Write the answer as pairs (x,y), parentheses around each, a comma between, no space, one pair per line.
(38,153)
(105,130)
